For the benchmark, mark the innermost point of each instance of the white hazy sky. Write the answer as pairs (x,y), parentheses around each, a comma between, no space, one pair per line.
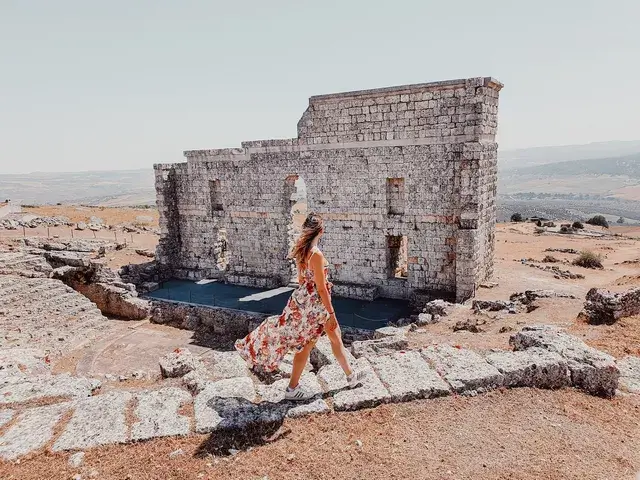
(88,85)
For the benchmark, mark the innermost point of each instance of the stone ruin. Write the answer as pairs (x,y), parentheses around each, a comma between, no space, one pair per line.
(405,178)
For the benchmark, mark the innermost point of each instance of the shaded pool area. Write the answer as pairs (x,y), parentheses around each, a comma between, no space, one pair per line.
(351,313)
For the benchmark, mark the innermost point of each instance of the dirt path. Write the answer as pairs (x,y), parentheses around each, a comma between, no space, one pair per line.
(519,434)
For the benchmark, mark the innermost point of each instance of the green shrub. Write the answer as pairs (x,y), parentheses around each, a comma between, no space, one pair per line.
(578,225)
(516,217)
(620,220)
(598,220)
(588,259)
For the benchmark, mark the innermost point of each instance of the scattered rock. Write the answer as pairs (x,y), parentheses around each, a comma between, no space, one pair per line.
(563,250)
(195,381)
(471,325)
(602,306)
(176,453)
(488,285)
(438,307)
(145,253)
(494,306)
(591,370)
(385,332)
(76,459)
(81,226)
(380,346)
(178,363)
(427,319)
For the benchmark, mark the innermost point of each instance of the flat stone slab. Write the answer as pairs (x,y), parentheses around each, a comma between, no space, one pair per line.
(228,365)
(304,409)
(98,420)
(22,361)
(371,393)
(408,376)
(158,414)
(591,370)
(381,346)
(466,371)
(322,354)
(274,393)
(213,413)
(32,430)
(534,367)
(630,374)
(5,417)
(17,389)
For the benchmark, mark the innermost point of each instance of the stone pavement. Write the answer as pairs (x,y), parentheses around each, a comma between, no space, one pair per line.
(229,398)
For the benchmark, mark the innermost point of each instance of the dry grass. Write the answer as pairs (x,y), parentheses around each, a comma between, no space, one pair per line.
(588,259)
(532,435)
(110,215)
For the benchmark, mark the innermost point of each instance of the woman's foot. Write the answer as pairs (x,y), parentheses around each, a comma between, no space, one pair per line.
(355,379)
(297,394)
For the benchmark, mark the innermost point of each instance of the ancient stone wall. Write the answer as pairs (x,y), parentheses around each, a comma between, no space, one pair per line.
(414,164)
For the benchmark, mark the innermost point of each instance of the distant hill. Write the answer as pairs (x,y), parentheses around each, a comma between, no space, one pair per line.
(527,157)
(113,188)
(628,166)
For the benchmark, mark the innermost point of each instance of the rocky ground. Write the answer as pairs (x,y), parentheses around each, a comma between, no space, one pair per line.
(68,408)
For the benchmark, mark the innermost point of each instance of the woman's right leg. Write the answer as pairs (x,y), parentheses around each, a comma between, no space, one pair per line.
(337,347)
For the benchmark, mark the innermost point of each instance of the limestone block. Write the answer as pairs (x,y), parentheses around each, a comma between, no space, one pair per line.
(98,420)
(630,374)
(6,416)
(32,430)
(407,376)
(209,401)
(380,346)
(371,393)
(466,371)
(228,365)
(21,388)
(274,393)
(322,354)
(534,367)
(178,363)
(158,415)
(591,370)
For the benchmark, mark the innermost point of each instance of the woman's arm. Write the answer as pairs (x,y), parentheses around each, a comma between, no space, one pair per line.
(317,264)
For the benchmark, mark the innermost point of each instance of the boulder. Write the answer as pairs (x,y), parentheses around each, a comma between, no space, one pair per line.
(386,332)
(81,226)
(602,306)
(591,370)
(178,363)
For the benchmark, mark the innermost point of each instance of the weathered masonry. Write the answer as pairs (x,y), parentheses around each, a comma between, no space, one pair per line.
(405,178)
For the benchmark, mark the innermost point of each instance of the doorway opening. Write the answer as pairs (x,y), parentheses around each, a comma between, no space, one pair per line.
(296,195)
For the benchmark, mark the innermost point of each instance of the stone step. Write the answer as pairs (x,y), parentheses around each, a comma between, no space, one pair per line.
(466,371)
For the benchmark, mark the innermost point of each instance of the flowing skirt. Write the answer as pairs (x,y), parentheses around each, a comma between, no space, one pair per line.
(302,321)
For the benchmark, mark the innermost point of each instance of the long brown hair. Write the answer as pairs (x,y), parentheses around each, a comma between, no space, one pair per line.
(311,228)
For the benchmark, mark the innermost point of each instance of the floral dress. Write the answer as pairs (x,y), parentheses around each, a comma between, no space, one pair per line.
(301,322)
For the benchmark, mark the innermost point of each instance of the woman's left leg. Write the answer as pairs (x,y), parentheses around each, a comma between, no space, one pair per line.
(300,360)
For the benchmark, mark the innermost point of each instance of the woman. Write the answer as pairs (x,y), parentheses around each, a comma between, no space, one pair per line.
(307,315)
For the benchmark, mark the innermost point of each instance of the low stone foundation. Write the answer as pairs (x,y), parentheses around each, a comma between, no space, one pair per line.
(350,290)
(602,306)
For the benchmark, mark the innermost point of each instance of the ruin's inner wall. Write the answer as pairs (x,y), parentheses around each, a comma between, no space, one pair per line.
(415,161)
